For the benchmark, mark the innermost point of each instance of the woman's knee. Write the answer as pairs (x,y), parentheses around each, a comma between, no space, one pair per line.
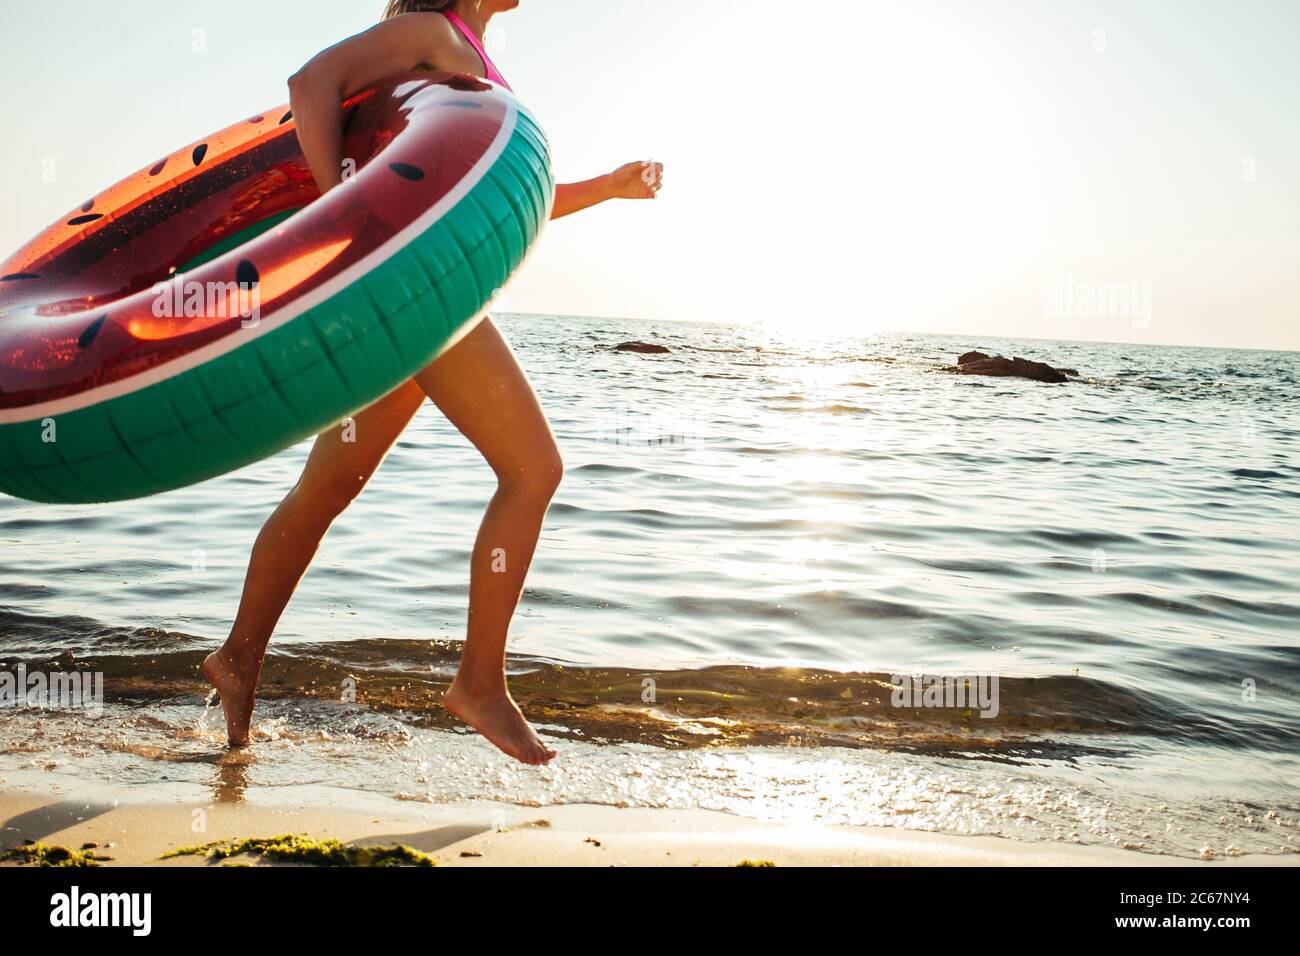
(537,476)
(323,501)
(551,473)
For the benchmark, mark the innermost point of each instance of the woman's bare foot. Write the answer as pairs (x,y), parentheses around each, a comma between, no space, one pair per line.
(496,716)
(238,694)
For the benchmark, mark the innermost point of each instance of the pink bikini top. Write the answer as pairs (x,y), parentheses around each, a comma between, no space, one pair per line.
(493,73)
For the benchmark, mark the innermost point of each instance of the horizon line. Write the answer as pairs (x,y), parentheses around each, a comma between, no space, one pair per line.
(1026,338)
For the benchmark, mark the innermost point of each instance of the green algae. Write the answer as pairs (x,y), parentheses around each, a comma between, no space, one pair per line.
(289,848)
(40,854)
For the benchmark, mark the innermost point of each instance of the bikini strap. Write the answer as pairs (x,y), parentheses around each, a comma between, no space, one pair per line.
(493,73)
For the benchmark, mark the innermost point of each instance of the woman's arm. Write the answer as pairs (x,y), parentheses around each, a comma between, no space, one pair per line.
(317,91)
(641,180)
(315,103)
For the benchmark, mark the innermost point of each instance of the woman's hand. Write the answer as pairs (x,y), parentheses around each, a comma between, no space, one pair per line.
(641,180)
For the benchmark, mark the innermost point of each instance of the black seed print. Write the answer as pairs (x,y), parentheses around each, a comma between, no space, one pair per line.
(157,167)
(91,332)
(407,171)
(199,153)
(88,205)
(82,220)
(18,276)
(246,273)
(286,117)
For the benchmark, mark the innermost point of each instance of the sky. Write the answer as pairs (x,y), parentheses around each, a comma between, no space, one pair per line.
(1114,171)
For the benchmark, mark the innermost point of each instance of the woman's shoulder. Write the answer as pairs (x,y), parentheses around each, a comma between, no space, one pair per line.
(424,35)
(424,21)
(396,44)
(432,34)
(436,38)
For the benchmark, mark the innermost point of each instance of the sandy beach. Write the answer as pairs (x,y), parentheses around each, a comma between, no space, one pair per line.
(482,833)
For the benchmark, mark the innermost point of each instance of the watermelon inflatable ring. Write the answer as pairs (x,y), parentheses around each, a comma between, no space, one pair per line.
(215,309)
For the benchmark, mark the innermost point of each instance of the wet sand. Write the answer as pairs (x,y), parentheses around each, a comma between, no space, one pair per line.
(487,834)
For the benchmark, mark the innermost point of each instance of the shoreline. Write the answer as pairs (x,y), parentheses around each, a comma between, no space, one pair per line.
(137,831)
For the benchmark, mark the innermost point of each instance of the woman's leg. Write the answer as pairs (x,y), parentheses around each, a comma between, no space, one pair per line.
(482,390)
(340,464)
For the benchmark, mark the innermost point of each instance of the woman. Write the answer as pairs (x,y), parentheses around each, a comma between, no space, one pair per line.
(478,385)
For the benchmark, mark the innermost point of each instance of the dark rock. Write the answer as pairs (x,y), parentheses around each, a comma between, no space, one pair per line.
(642,348)
(977,363)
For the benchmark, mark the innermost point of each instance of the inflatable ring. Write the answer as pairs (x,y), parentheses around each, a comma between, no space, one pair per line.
(215,309)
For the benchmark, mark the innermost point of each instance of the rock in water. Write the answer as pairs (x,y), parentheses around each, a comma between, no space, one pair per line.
(642,348)
(977,363)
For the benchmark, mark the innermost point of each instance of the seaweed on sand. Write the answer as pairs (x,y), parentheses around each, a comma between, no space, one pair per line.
(39,854)
(289,848)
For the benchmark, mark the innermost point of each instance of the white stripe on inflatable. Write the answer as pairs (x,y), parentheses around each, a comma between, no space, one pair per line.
(325,291)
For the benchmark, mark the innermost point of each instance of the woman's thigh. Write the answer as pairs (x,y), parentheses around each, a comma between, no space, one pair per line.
(481,388)
(344,457)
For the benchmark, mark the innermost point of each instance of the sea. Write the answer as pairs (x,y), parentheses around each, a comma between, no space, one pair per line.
(765,541)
